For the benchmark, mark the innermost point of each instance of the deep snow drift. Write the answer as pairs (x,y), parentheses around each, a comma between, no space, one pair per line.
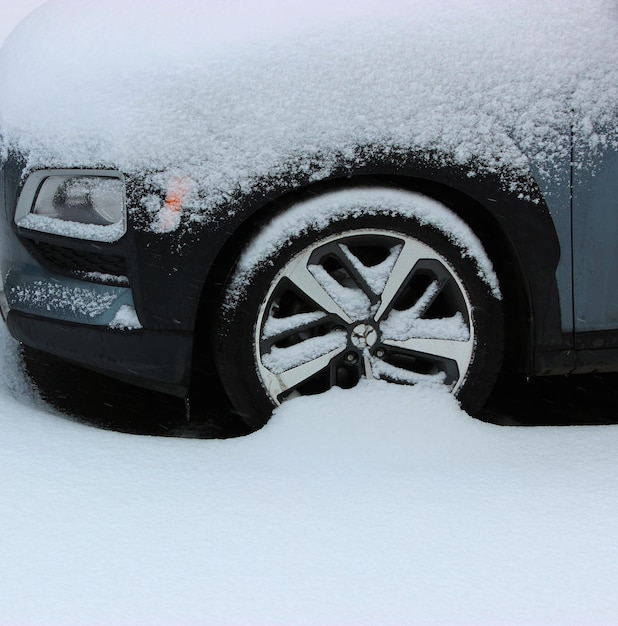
(372,506)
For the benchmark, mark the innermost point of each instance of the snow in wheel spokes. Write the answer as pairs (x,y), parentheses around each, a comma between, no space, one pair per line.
(412,311)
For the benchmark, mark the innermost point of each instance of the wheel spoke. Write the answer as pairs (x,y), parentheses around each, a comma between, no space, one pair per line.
(426,300)
(356,270)
(438,349)
(352,300)
(276,328)
(298,273)
(368,370)
(384,370)
(373,277)
(410,255)
(285,381)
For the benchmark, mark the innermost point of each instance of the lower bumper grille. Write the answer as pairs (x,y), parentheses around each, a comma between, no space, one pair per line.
(68,259)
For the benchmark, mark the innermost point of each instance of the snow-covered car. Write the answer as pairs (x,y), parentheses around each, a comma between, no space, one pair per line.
(294,196)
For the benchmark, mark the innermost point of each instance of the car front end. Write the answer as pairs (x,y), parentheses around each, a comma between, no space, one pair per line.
(67,278)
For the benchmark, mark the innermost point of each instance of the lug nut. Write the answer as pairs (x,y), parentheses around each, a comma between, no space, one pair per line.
(380,352)
(351,357)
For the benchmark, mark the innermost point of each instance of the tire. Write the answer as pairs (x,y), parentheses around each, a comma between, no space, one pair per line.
(377,286)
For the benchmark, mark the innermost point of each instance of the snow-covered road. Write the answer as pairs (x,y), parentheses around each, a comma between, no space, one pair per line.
(363,507)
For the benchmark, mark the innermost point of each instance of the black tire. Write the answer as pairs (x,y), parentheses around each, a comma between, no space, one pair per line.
(372,293)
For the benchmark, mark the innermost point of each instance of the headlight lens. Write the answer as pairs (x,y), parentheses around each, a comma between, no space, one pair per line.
(83,199)
(81,204)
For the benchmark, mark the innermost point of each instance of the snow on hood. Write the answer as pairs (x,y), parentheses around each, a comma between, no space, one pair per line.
(229,91)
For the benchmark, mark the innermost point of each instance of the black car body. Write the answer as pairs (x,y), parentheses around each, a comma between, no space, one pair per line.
(516,143)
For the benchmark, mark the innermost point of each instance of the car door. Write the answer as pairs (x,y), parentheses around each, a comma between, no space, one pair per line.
(595,241)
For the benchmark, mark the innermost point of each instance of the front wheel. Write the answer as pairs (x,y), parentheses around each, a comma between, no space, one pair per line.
(378,291)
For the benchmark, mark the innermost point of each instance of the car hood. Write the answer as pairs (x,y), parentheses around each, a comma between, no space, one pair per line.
(230,92)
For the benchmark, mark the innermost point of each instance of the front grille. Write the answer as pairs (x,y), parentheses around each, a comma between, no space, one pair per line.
(64,259)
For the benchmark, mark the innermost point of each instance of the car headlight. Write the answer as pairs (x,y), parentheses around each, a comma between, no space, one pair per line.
(85,199)
(85,204)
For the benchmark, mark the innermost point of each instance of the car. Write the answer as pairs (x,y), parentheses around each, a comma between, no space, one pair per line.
(291,198)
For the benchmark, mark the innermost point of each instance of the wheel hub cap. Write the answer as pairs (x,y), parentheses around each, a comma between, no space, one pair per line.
(364,336)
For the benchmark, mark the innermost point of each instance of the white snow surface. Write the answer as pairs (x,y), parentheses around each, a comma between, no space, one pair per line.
(227,93)
(54,297)
(66,228)
(373,506)
(126,319)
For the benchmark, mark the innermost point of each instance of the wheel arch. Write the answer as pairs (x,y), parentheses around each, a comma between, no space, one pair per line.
(496,215)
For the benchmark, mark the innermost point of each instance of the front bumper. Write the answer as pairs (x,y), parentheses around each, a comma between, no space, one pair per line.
(154,359)
(82,321)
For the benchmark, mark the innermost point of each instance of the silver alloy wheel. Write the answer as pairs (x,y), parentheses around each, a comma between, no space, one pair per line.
(368,303)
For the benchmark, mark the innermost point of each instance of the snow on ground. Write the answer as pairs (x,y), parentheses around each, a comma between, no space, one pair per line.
(344,509)
(358,507)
